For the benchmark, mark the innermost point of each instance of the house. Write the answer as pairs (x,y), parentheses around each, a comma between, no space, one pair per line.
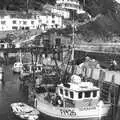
(49,20)
(57,10)
(70,5)
(12,21)
(22,21)
(56,38)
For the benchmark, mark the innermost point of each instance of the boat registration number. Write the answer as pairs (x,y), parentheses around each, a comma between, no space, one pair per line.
(87,108)
(67,112)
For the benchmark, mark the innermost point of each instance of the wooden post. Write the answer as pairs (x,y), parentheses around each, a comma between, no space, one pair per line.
(117,117)
(91,72)
(100,81)
(113,98)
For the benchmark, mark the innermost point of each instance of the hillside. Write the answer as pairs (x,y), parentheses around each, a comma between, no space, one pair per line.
(105,26)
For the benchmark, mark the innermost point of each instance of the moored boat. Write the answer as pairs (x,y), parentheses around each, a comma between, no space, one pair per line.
(28,69)
(17,67)
(25,111)
(73,100)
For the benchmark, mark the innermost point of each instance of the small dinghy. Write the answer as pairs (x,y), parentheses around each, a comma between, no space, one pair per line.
(25,111)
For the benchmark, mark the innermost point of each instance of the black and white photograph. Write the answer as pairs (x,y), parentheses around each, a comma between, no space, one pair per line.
(59,59)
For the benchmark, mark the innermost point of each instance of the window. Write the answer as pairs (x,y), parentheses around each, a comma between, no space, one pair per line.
(53,21)
(80,95)
(14,27)
(53,15)
(2,46)
(24,22)
(33,68)
(40,21)
(58,41)
(66,92)
(3,22)
(32,22)
(71,94)
(56,25)
(39,68)
(94,93)
(87,94)
(27,28)
(14,21)
(61,91)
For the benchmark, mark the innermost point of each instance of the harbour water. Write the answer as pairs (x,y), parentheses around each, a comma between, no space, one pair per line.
(11,90)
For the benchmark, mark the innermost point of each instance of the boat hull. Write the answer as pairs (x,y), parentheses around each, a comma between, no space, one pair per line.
(24,111)
(56,112)
(46,117)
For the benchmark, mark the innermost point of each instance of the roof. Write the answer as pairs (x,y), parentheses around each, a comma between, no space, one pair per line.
(48,6)
(15,14)
(82,86)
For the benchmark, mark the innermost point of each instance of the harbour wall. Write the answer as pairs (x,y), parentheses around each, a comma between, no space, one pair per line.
(99,47)
(99,74)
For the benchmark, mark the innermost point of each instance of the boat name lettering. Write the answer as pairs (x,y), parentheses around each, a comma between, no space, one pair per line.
(87,108)
(68,112)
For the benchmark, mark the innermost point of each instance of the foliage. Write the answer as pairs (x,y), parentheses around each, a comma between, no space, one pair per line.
(23,4)
(104,26)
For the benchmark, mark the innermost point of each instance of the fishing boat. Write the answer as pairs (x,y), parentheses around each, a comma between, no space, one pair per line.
(25,111)
(73,100)
(17,67)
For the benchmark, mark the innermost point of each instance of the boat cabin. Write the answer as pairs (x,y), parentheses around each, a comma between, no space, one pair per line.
(28,68)
(82,94)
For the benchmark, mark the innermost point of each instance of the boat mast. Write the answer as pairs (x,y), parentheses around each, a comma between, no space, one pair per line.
(27,5)
(20,56)
(73,38)
(73,46)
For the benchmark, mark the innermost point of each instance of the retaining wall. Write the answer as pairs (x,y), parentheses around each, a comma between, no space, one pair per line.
(99,74)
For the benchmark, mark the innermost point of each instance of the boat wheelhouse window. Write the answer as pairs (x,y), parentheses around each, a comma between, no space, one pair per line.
(39,67)
(66,92)
(14,21)
(87,94)
(61,91)
(80,95)
(26,68)
(94,93)
(33,68)
(71,94)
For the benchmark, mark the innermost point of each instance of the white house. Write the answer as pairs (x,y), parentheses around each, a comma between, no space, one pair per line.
(49,20)
(9,23)
(43,19)
(57,10)
(70,5)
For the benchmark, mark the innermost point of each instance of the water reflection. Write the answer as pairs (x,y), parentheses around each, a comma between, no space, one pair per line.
(11,90)
(1,86)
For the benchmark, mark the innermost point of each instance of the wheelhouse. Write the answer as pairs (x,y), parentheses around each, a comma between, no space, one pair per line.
(78,95)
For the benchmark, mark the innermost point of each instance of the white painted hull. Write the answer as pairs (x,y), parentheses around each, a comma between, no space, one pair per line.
(25,111)
(46,117)
(95,113)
